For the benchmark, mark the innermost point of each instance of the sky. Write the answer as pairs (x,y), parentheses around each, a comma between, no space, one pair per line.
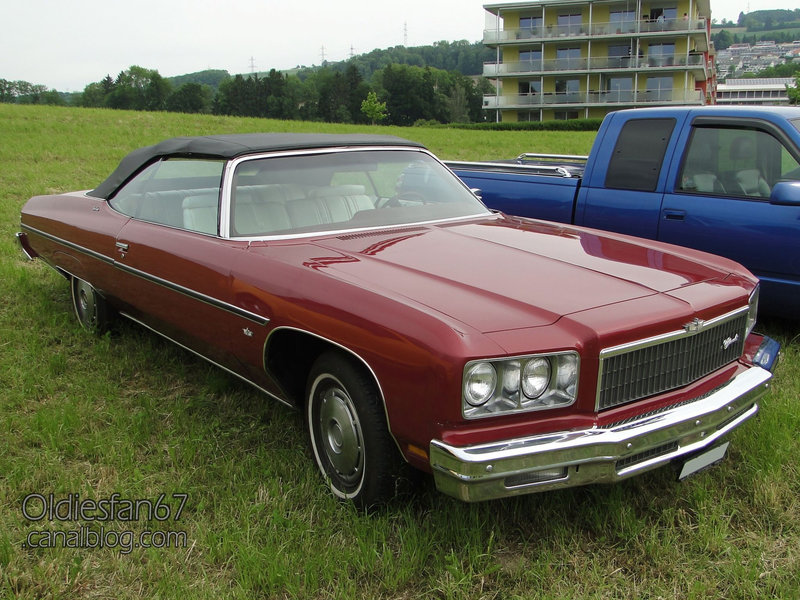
(67,44)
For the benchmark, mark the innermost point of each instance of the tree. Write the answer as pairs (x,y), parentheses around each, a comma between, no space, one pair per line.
(190,98)
(93,96)
(138,89)
(373,109)
(794,92)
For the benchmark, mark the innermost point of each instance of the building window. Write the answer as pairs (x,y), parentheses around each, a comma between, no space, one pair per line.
(619,56)
(530,87)
(531,23)
(619,89)
(570,24)
(659,55)
(568,58)
(533,57)
(564,115)
(527,115)
(623,21)
(659,89)
(568,90)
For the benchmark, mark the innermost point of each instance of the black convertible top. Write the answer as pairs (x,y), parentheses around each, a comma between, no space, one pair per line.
(233,145)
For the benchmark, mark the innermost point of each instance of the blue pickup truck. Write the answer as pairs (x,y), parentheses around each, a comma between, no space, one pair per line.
(721,179)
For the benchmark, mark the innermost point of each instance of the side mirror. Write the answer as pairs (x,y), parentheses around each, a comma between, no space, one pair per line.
(786,193)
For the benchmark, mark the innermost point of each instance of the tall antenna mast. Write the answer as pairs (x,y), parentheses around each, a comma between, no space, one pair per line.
(252,65)
(405,33)
(322,53)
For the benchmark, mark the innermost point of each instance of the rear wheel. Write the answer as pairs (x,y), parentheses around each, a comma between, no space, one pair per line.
(91,308)
(349,436)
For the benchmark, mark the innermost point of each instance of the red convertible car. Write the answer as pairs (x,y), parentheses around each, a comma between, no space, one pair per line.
(356,278)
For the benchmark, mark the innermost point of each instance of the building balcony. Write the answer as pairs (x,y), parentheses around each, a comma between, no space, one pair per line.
(602,63)
(544,33)
(610,98)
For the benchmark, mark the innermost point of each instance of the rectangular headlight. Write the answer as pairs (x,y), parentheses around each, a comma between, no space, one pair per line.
(502,386)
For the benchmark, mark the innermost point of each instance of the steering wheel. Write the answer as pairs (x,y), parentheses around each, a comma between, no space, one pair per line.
(395,200)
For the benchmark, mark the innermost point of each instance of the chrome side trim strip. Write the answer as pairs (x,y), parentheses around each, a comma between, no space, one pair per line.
(195,295)
(204,357)
(91,253)
(190,293)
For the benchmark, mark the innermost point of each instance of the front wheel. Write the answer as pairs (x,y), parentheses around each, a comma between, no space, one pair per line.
(349,436)
(90,307)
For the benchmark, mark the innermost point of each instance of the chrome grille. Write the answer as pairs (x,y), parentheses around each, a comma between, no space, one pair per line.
(656,365)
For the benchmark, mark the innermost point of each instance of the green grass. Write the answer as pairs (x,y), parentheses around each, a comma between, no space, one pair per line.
(132,414)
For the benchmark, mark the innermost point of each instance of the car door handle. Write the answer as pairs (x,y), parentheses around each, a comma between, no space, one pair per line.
(122,246)
(674,215)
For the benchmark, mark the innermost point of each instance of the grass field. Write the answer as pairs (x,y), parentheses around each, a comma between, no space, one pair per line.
(132,415)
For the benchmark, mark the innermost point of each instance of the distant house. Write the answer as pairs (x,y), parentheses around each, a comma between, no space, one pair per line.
(562,59)
(754,91)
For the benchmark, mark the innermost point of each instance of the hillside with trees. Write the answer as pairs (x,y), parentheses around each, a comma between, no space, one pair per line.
(779,25)
(437,83)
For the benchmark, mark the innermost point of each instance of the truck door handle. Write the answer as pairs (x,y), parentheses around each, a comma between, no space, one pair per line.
(674,215)
(122,246)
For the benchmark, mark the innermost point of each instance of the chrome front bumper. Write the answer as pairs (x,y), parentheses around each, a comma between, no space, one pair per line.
(597,455)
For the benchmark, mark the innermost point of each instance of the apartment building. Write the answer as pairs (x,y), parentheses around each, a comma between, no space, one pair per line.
(565,59)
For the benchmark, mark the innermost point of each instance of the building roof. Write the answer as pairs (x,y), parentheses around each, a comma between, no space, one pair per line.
(704,6)
(767,83)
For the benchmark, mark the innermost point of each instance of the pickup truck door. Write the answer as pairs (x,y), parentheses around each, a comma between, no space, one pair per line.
(718,200)
(624,190)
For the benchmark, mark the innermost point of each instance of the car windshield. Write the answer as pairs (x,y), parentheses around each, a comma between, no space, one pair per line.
(342,190)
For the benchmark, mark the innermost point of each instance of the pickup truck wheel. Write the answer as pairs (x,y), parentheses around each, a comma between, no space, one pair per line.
(90,307)
(348,433)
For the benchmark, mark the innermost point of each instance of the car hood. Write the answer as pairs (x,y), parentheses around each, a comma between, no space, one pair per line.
(500,273)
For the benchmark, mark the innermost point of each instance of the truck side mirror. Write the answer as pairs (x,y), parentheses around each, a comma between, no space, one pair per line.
(477,192)
(786,193)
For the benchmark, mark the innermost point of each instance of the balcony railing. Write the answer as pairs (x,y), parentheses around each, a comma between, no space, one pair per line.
(593,64)
(586,30)
(594,98)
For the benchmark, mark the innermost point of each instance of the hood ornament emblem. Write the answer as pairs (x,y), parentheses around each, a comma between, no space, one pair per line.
(695,325)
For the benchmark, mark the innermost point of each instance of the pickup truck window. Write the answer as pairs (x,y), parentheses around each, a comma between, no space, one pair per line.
(639,154)
(735,162)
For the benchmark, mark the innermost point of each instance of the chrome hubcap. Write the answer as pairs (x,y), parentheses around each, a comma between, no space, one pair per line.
(341,434)
(86,304)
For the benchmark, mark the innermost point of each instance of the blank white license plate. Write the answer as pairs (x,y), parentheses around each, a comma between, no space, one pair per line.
(704,460)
